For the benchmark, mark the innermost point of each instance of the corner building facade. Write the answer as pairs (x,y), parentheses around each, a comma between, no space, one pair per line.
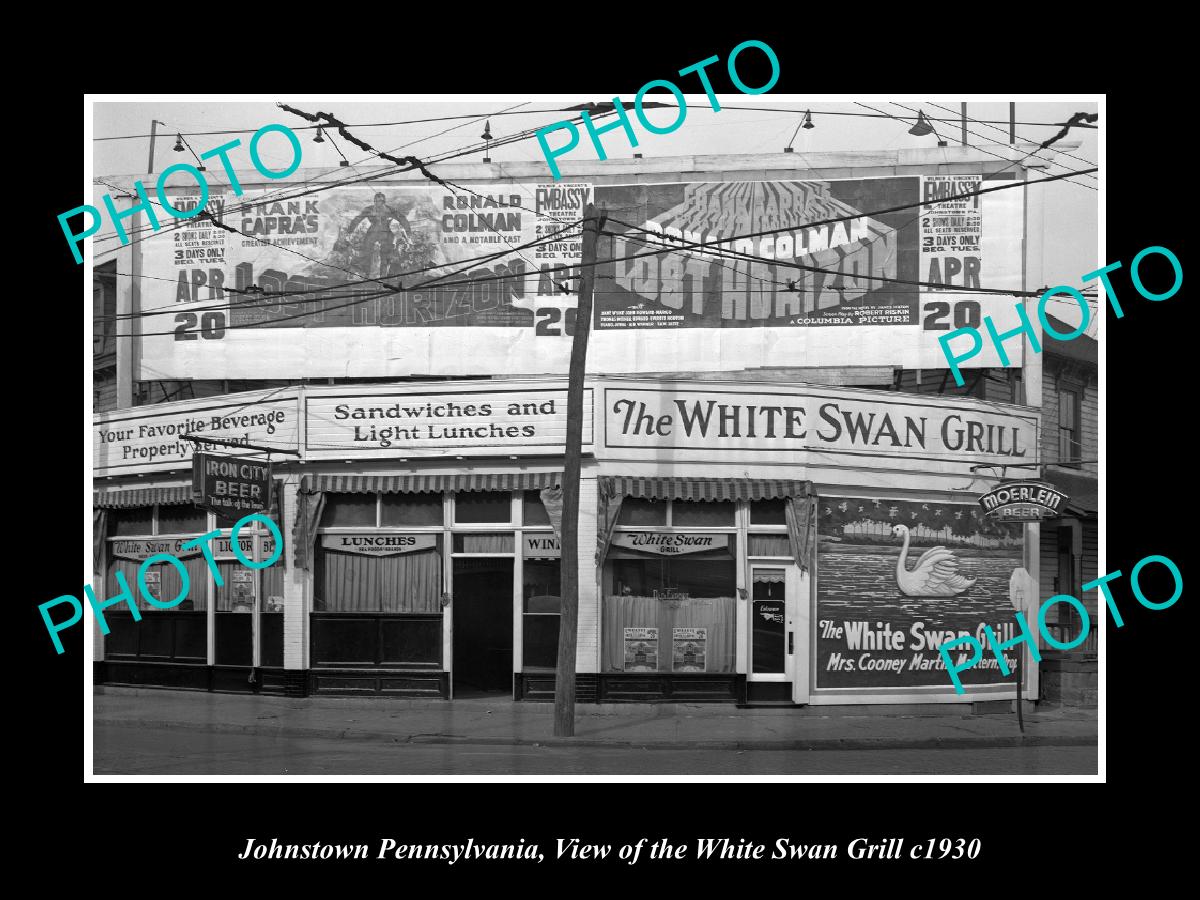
(761,487)
(739,542)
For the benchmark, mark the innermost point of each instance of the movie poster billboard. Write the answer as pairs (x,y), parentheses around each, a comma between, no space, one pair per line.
(418,279)
(855,259)
(357,279)
(897,578)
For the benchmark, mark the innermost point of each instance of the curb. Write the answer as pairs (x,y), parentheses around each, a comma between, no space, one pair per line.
(966,742)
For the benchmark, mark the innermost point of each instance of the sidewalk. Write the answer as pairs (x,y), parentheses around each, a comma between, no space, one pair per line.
(671,726)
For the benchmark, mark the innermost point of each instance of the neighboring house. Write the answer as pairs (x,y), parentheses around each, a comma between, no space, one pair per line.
(1070,449)
(104,341)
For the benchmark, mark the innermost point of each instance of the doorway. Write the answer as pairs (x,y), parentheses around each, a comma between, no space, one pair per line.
(772,642)
(483,626)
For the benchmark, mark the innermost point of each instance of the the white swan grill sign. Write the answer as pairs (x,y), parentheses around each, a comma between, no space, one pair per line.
(1024,501)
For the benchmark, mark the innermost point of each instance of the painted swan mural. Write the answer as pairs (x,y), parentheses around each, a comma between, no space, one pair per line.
(935,574)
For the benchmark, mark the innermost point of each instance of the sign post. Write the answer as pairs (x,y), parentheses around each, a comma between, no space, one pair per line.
(1020,586)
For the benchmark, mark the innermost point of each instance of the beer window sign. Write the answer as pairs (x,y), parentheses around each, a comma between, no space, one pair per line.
(1024,501)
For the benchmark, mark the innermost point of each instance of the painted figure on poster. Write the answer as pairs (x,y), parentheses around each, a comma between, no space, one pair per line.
(380,214)
(934,575)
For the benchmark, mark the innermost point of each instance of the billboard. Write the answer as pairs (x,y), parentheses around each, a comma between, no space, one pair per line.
(391,280)
(898,578)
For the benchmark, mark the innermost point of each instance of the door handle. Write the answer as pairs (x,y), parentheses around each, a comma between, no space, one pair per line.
(791,642)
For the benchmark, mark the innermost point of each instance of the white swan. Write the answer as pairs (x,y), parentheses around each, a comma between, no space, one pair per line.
(935,574)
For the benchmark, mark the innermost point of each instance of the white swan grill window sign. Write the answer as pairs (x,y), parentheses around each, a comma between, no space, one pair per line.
(897,578)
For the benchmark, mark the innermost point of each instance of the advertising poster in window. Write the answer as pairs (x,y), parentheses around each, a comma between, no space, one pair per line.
(896,578)
(688,649)
(242,590)
(153,582)
(641,649)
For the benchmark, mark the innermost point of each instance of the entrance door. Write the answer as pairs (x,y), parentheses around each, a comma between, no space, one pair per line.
(772,634)
(483,626)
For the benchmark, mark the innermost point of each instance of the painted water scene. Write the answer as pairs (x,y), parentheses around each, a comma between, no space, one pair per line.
(896,578)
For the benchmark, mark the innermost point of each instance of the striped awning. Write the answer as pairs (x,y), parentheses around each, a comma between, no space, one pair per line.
(424,484)
(707,488)
(117,498)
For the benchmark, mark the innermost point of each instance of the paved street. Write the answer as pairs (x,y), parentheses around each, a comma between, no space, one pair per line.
(162,751)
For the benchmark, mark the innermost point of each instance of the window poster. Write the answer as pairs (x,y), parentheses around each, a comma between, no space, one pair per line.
(641,649)
(688,647)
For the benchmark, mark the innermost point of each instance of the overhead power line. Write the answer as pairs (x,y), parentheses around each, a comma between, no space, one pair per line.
(532,112)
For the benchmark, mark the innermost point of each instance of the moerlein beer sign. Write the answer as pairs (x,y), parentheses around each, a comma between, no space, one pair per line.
(1024,501)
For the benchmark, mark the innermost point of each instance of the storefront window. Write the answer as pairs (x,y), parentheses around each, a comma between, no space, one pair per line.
(636,511)
(484,543)
(349,510)
(412,509)
(124,522)
(768,512)
(671,614)
(182,520)
(482,507)
(699,514)
(180,632)
(769,545)
(377,599)
(366,574)
(542,580)
(533,511)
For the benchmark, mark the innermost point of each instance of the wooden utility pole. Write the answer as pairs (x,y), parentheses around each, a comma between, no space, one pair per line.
(564,674)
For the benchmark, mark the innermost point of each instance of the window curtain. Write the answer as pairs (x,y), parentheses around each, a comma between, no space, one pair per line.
(99,533)
(309,506)
(552,500)
(485,543)
(799,515)
(196,599)
(404,583)
(715,614)
(275,514)
(607,510)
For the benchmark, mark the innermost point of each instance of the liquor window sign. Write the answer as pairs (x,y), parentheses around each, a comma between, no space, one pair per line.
(231,485)
(1024,501)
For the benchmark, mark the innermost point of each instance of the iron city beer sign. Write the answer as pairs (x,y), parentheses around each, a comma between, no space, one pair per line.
(1023,501)
(231,486)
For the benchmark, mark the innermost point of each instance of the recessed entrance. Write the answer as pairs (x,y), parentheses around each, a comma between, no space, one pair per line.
(483,626)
